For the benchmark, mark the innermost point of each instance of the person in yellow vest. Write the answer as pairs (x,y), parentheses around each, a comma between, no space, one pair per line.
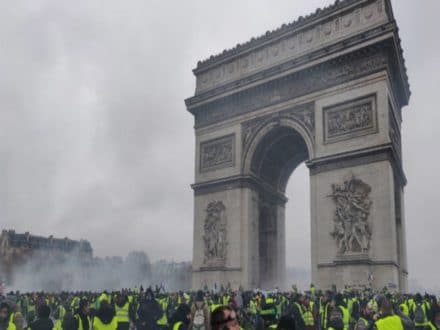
(102,296)
(404,308)
(215,303)
(387,319)
(105,319)
(58,315)
(18,319)
(31,312)
(122,309)
(297,311)
(74,304)
(163,301)
(82,316)
(307,313)
(324,309)
(181,318)
(5,317)
(365,320)
(419,312)
(16,316)
(339,317)
(268,311)
(226,299)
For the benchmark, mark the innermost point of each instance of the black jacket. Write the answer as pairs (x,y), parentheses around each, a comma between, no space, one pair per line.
(41,324)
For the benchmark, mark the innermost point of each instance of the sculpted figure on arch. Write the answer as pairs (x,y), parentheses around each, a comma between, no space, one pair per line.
(351,230)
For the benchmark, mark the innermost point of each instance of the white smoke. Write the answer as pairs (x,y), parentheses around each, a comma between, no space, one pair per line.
(74,272)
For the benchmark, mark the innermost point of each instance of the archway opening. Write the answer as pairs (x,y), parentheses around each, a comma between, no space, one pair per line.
(276,157)
(298,236)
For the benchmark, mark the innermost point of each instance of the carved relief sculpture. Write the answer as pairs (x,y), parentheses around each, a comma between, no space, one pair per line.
(352,119)
(217,153)
(351,228)
(215,234)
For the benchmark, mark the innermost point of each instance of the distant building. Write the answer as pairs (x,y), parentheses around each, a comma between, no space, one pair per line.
(17,249)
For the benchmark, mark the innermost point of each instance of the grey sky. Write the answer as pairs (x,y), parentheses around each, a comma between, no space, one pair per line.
(95,141)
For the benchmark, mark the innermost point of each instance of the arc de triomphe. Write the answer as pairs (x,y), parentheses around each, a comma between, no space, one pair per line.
(327,90)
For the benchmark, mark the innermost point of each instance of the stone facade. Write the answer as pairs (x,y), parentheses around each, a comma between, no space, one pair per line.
(327,90)
(17,249)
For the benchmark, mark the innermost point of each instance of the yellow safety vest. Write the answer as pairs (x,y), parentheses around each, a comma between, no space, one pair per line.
(75,303)
(177,325)
(122,313)
(323,310)
(98,325)
(62,312)
(361,322)
(164,305)
(253,307)
(11,325)
(426,322)
(374,306)
(392,322)
(345,317)
(307,316)
(214,307)
(102,297)
(80,322)
(58,325)
(404,309)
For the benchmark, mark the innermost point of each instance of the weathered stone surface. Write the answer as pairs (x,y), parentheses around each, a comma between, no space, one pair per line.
(217,153)
(327,91)
(352,119)
(291,43)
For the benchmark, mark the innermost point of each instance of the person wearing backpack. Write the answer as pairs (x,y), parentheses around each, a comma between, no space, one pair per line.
(181,318)
(200,314)
(420,313)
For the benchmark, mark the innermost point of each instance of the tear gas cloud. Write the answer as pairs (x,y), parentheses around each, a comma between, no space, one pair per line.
(75,271)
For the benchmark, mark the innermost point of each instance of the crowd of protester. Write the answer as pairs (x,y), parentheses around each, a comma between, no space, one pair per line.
(153,308)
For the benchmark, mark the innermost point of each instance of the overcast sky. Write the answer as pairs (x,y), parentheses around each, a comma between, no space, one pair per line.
(96,143)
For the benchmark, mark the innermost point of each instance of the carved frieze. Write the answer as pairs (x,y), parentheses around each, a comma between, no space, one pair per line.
(215,234)
(217,153)
(352,230)
(299,84)
(293,45)
(350,119)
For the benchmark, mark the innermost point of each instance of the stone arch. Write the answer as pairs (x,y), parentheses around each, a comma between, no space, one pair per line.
(347,131)
(268,126)
(276,146)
